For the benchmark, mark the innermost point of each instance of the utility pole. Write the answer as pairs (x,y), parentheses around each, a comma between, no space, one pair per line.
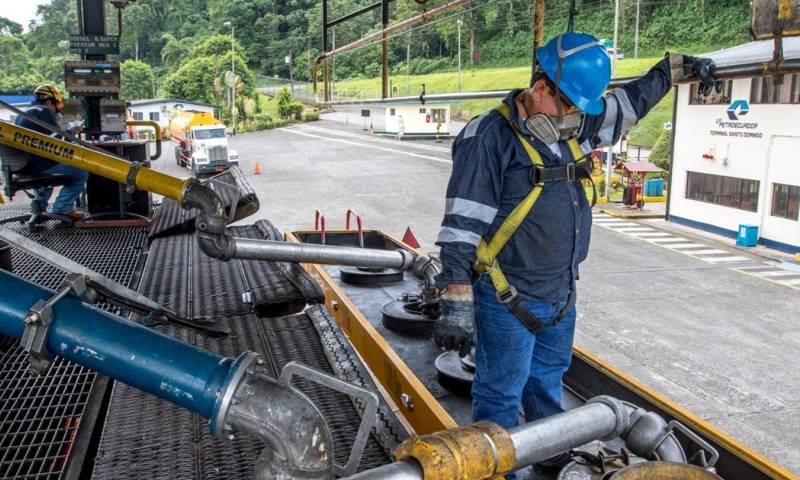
(537,25)
(385,49)
(616,36)
(459,23)
(636,37)
(408,60)
(291,78)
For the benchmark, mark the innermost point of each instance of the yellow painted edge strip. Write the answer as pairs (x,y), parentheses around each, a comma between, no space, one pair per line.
(754,458)
(427,415)
(656,199)
(797,256)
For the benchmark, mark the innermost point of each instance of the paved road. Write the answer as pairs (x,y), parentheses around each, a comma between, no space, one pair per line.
(711,327)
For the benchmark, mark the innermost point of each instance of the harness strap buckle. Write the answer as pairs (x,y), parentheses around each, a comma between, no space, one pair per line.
(507,296)
(570,170)
(484,268)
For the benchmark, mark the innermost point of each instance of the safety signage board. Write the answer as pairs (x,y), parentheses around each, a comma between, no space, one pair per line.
(94,44)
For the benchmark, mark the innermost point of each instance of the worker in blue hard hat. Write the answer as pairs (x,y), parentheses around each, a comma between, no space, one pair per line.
(517,220)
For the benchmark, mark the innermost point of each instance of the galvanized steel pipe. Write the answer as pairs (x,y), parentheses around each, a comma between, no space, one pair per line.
(250,249)
(533,442)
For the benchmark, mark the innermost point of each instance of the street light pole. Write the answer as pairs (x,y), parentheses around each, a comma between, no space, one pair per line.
(233,76)
(459,22)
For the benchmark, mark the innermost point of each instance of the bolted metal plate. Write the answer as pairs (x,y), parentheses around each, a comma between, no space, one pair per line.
(453,374)
(403,317)
(776,17)
(370,277)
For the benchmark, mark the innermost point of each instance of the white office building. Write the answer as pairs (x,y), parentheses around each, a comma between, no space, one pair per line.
(736,156)
(159,109)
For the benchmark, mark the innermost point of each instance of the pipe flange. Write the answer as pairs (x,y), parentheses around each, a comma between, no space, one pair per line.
(223,402)
(620,411)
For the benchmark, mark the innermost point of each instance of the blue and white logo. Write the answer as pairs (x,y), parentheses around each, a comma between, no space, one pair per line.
(738,109)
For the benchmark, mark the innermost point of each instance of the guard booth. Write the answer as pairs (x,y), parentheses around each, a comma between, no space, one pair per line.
(417,120)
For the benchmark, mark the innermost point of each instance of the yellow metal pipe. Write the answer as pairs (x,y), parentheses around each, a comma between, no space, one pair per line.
(98,163)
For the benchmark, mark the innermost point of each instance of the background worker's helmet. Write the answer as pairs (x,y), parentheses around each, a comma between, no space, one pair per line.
(46,91)
(577,63)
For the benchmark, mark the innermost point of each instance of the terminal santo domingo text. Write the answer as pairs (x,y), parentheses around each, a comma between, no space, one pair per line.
(41,145)
(737,129)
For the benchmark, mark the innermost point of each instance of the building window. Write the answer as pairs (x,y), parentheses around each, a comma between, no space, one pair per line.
(764,90)
(730,192)
(438,115)
(423,111)
(154,116)
(713,98)
(785,201)
(163,109)
(391,112)
(138,116)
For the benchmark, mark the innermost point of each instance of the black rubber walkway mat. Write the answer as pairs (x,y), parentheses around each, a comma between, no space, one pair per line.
(181,277)
(147,438)
(41,417)
(171,219)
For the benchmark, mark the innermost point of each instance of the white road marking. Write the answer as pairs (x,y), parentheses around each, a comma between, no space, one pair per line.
(621,224)
(348,142)
(705,252)
(795,281)
(778,273)
(634,229)
(669,240)
(684,246)
(649,235)
(726,259)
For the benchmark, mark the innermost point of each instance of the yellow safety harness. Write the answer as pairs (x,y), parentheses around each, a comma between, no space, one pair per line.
(487,252)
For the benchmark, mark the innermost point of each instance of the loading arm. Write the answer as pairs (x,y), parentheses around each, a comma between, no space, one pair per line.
(211,223)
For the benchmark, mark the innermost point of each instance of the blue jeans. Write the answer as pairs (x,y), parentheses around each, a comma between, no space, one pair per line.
(514,367)
(68,196)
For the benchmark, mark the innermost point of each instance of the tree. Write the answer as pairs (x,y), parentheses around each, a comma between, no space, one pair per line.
(174,50)
(660,153)
(9,27)
(194,80)
(137,80)
(14,54)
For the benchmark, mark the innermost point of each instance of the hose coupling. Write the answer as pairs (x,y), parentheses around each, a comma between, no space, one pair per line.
(481,450)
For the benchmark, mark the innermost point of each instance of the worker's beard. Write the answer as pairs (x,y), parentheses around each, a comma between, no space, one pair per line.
(550,130)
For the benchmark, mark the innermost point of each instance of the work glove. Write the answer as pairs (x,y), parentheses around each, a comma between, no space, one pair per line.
(455,327)
(683,67)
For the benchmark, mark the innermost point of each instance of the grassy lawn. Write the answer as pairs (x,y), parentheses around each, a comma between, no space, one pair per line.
(268,105)
(477,79)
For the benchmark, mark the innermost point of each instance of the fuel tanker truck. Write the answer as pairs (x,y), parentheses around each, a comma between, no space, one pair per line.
(201,143)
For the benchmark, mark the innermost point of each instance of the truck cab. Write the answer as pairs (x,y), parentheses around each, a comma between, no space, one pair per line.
(210,150)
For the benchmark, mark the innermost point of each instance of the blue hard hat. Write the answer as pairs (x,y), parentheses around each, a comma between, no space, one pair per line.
(585,68)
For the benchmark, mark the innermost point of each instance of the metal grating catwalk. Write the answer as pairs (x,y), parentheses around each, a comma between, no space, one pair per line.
(42,419)
(147,438)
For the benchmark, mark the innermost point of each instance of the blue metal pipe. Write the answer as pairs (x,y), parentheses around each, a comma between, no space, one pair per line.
(117,347)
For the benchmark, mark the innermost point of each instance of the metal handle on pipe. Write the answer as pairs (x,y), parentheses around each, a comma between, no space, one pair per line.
(156,127)
(253,249)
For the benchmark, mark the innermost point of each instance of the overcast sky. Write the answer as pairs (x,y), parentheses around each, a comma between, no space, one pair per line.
(20,11)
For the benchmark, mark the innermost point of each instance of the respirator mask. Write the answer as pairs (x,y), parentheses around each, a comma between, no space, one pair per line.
(551,130)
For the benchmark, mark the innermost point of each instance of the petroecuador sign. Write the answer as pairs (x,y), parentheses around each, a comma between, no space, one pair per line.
(94,44)
(736,124)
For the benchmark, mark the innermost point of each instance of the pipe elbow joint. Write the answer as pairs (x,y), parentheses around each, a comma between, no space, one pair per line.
(299,443)
(650,437)
(198,195)
(219,246)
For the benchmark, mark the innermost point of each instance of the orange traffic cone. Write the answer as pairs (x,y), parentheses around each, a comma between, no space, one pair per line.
(409,238)
(258,169)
